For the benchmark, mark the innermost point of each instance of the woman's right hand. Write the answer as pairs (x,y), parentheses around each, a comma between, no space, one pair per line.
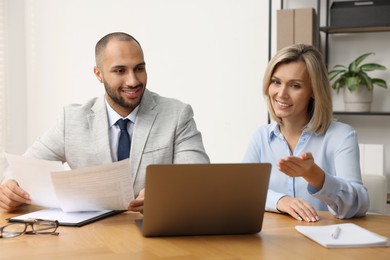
(298,209)
(11,195)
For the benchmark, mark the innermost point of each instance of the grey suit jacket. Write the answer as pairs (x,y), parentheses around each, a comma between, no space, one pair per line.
(164,133)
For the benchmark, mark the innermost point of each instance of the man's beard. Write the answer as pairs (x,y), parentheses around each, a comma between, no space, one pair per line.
(114,96)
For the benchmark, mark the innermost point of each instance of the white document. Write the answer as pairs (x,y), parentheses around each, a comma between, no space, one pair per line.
(103,187)
(34,176)
(100,187)
(343,236)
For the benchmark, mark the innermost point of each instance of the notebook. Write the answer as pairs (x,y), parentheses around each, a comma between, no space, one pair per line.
(344,235)
(204,199)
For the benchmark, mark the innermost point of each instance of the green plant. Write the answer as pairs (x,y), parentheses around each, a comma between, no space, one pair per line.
(355,75)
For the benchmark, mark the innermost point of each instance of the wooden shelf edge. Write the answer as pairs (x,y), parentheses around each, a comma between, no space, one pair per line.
(373,113)
(334,30)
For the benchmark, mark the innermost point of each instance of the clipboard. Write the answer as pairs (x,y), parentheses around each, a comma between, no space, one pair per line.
(71,219)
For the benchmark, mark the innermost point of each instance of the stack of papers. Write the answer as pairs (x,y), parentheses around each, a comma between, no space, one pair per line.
(343,236)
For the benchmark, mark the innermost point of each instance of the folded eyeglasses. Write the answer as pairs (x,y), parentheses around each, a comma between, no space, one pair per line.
(38,226)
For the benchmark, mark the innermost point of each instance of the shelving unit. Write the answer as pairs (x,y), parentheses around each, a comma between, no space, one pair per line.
(327,29)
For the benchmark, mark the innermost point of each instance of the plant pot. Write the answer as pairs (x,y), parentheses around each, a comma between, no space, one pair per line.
(359,100)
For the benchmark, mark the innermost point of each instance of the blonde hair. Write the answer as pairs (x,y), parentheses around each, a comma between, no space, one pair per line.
(320,107)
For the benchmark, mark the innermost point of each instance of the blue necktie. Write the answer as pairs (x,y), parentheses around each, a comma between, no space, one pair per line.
(124,140)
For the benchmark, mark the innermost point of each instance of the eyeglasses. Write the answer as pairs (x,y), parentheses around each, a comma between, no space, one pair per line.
(38,226)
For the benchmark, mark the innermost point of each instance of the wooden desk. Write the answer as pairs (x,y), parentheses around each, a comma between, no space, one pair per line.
(118,237)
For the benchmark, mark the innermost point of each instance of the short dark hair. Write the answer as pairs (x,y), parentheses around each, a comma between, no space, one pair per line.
(102,43)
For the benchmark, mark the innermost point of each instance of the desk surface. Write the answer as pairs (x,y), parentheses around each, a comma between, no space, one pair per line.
(118,237)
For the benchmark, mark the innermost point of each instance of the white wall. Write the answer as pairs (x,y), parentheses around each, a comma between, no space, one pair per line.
(15,75)
(210,54)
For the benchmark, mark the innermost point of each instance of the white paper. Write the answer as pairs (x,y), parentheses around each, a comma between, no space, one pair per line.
(100,187)
(34,176)
(103,187)
(350,235)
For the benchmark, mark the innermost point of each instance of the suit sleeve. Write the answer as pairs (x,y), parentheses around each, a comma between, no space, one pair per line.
(188,144)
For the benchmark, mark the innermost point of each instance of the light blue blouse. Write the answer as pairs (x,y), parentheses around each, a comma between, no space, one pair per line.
(336,152)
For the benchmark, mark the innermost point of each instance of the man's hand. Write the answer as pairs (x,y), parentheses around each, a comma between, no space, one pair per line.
(137,205)
(298,209)
(11,195)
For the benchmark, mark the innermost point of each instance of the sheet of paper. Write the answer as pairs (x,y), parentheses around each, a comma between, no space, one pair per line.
(100,187)
(34,176)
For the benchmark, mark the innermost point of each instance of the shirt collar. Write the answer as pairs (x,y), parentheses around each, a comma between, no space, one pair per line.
(275,131)
(113,116)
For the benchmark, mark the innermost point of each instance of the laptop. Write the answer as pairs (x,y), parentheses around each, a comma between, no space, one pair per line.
(204,199)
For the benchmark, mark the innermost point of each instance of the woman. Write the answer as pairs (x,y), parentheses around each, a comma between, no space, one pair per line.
(315,161)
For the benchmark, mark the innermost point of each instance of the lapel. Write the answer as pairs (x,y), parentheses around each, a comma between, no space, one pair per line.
(98,125)
(143,125)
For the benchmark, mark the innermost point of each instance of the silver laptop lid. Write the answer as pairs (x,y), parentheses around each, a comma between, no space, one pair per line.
(205,199)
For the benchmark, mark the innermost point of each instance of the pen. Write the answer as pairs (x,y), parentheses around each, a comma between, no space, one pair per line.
(336,232)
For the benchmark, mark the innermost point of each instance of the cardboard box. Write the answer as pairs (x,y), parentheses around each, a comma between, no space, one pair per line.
(305,26)
(285,28)
(295,26)
(360,13)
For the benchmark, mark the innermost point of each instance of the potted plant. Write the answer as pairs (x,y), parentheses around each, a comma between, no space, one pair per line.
(357,85)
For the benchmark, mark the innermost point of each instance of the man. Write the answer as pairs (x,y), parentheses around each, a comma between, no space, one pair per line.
(161,130)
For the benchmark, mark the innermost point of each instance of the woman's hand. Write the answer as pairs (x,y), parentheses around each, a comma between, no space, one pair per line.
(298,209)
(303,166)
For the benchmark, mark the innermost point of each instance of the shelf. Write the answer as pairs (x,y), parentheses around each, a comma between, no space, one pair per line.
(373,113)
(362,29)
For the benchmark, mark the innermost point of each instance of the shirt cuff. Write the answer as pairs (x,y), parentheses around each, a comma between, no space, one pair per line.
(272,201)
